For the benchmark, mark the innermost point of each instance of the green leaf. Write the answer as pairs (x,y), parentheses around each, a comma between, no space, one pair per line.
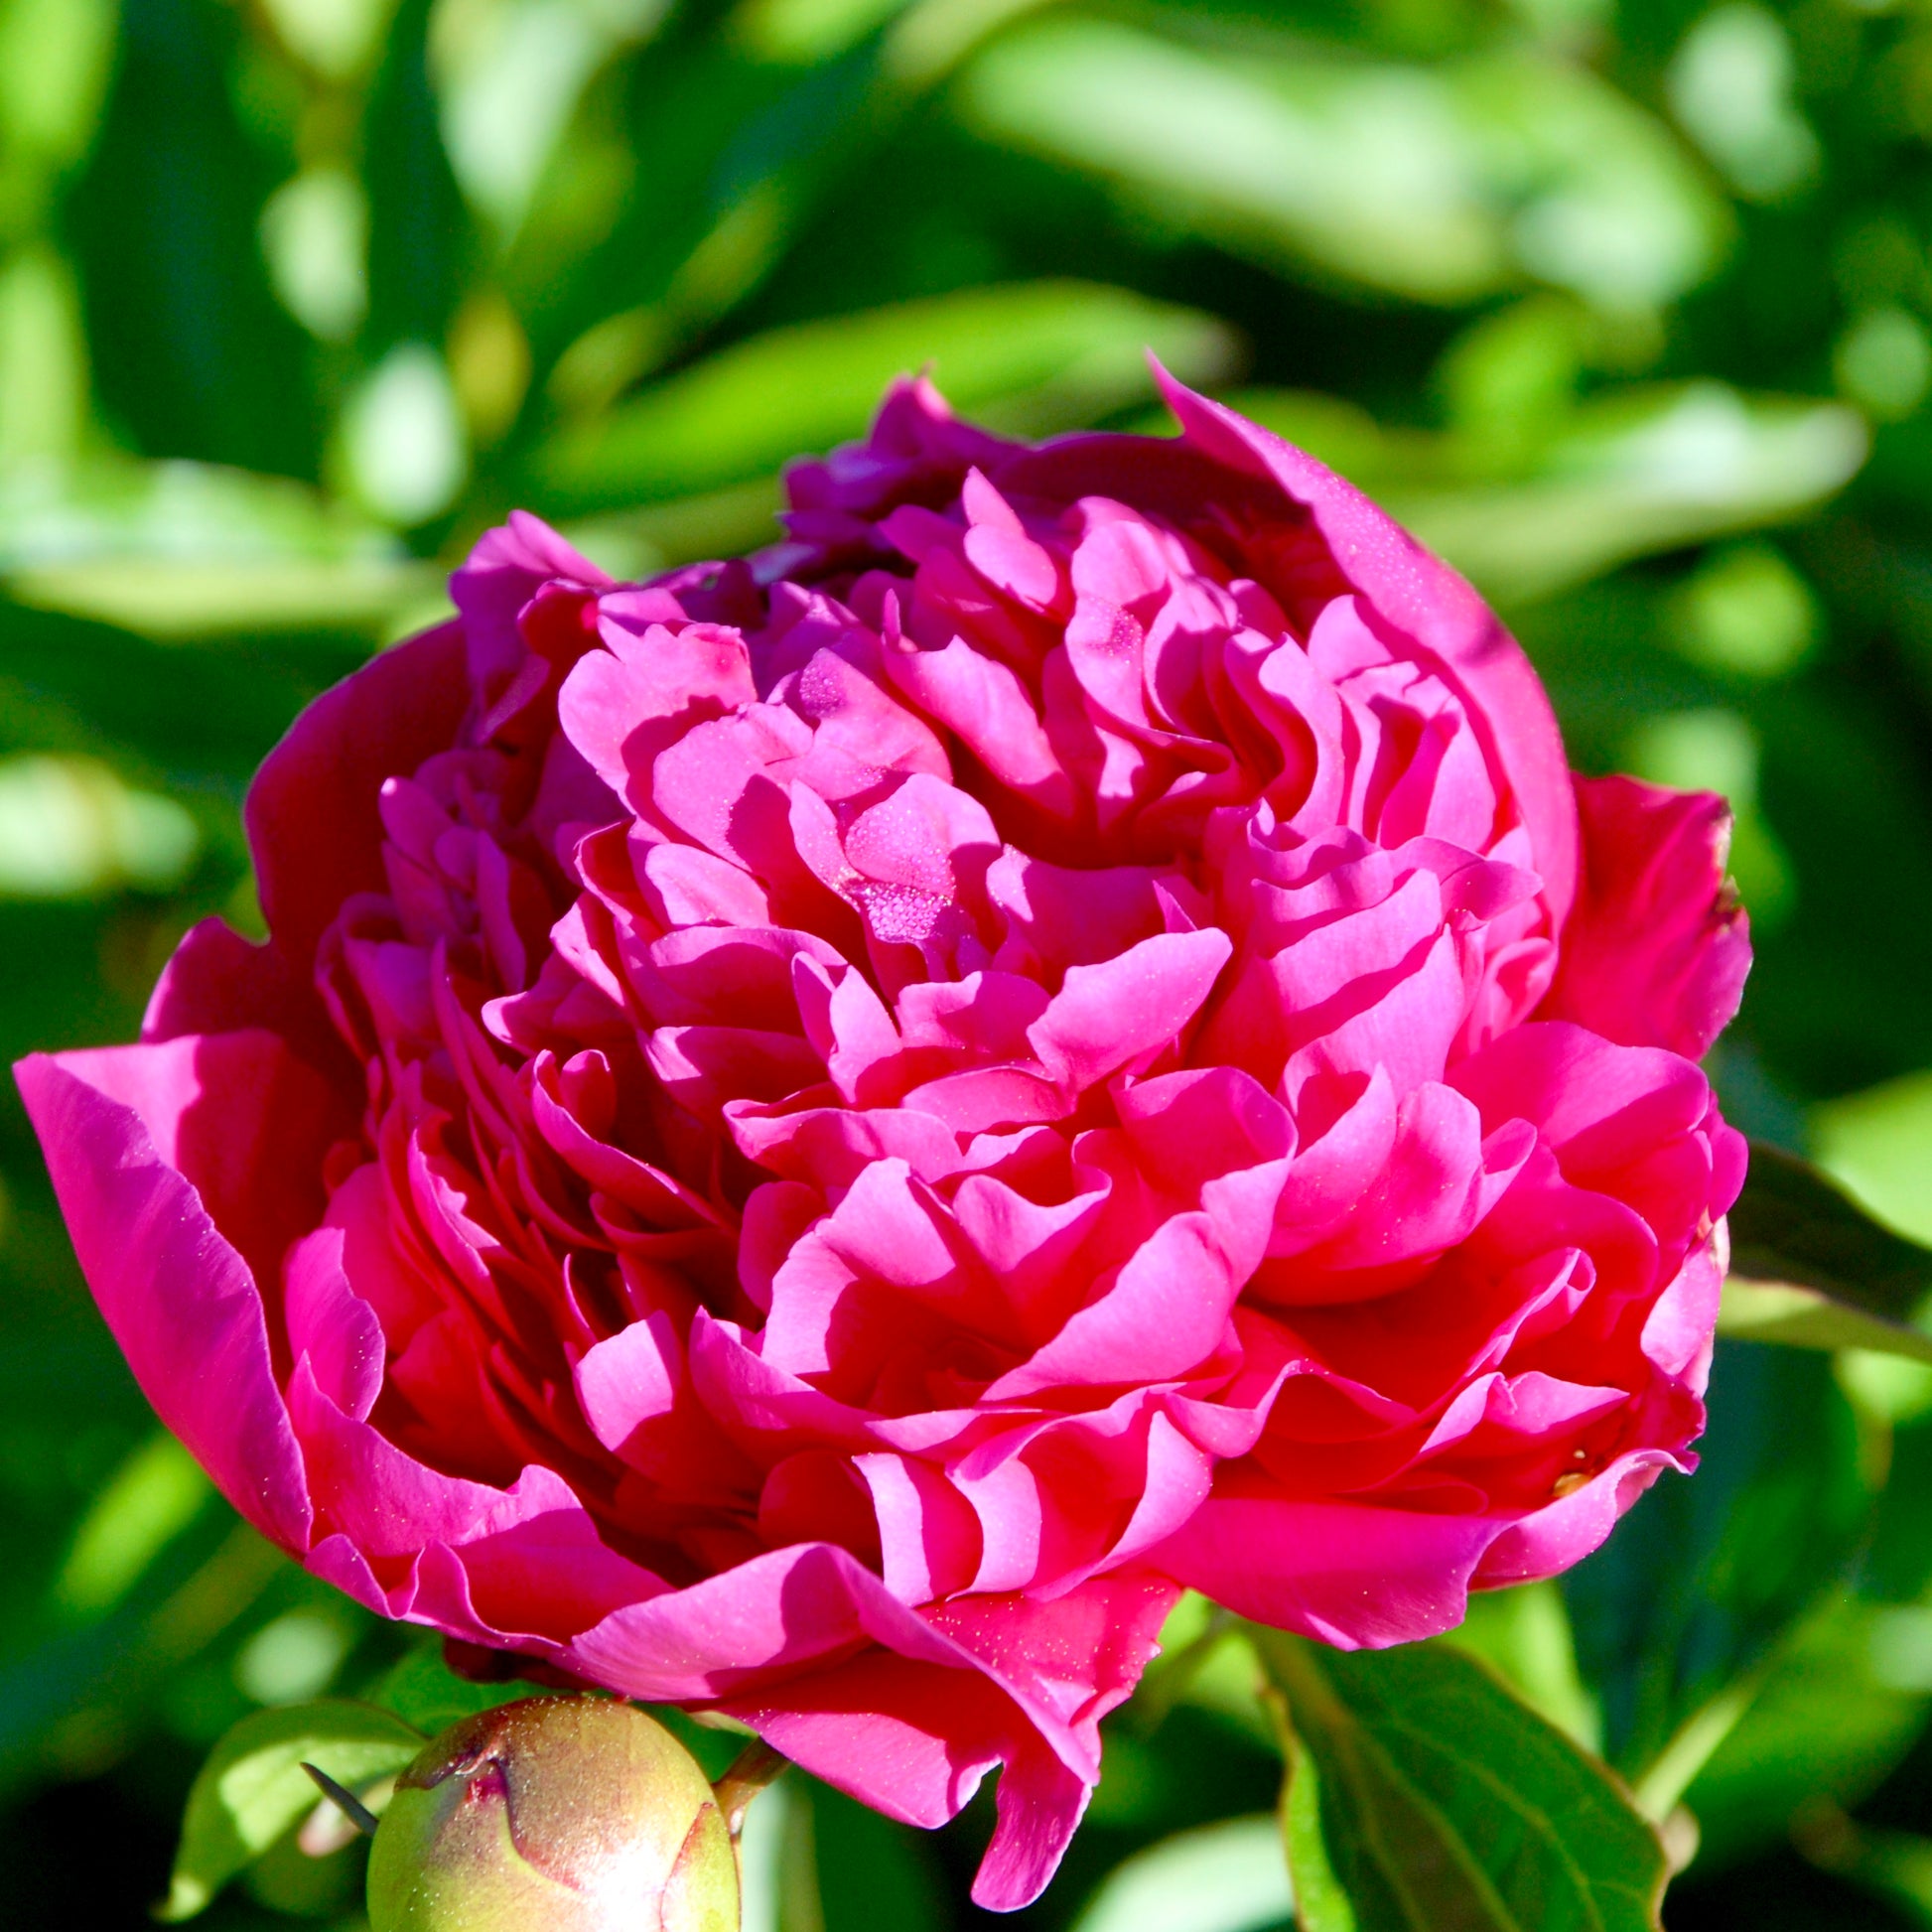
(252,1789)
(54,61)
(180,600)
(424,1692)
(1809,1268)
(1033,356)
(1224,1877)
(1877,1143)
(175,550)
(1447,1806)
(1523,1634)
(1643,471)
(192,354)
(1271,158)
(1320,1899)
(422,242)
(1838,1707)
(1504,167)
(777,1861)
(153,1496)
(1805,1318)
(1705,1576)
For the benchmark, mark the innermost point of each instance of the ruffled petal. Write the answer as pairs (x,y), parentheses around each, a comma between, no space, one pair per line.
(179,1298)
(1657,948)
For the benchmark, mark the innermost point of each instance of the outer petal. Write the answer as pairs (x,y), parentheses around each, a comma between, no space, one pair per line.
(510,1565)
(1350,1574)
(1566,1531)
(927,1704)
(218,981)
(1657,948)
(506,569)
(314,818)
(1422,596)
(179,1298)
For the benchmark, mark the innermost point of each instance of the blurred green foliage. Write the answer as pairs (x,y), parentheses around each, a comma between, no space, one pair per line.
(1624,305)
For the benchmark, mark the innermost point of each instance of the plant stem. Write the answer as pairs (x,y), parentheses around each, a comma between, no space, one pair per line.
(756,1766)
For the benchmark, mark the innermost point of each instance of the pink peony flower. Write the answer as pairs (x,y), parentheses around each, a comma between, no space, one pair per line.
(817,1138)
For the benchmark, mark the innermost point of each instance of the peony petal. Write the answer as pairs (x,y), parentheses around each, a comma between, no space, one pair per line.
(314,816)
(1108,1016)
(506,569)
(1424,598)
(531,1552)
(1348,1573)
(331,1328)
(1657,948)
(179,1298)
(630,1379)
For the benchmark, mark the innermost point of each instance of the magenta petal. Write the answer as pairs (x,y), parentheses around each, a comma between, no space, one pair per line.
(1162,1314)
(779,1612)
(1657,948)
(1425,598)
(1592,1101)
(1350,1574)
(314,812)
(630,1379)
(243,1121)
(332,1329)
(506,569)
(910,1738)
(219,982)
(1040,1805)
(534,1562)
(1109,1016)
(1566,1531)
(180,1299)
(928,1536)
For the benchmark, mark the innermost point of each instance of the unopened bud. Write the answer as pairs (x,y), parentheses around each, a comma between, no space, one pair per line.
(564,1814)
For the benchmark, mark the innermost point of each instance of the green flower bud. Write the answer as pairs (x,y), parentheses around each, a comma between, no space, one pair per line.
(564,1814)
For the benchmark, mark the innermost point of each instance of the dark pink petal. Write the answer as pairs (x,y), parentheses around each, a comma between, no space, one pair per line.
(1656,948)
(533,1559)
(623,705)
(331,1328)
(504,573)
(1164,1313)
(1427,600)
(1109,1016)
(630,1379)
(1350,1574)
(314,815)
(1598,1104)
(1565,1530)
(929,1537)
(219,982)
(178,1296)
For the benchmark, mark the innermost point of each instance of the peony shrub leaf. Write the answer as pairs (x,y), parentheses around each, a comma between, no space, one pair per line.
(1795,1317)
(1440,1801)
(425,1692)
(253,1789)
(1051,353)
(1228,1877)
(1811,1269)
(1713,1574)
